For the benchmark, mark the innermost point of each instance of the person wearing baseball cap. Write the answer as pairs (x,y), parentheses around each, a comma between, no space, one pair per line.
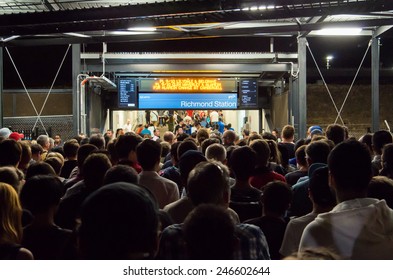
(16,136)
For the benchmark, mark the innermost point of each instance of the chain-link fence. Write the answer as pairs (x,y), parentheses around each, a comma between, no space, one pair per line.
(55,124)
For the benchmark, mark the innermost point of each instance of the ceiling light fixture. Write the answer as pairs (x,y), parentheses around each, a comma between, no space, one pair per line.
(339,31)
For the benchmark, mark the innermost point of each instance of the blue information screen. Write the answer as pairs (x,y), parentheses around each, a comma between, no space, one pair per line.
(187,101)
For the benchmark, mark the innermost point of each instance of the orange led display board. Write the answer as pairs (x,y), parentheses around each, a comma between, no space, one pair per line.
(197,85)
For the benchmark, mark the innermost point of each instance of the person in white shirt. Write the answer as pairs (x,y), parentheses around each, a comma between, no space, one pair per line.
(358,228)
(213,117)
(127,126)
(149,155)
(323,200)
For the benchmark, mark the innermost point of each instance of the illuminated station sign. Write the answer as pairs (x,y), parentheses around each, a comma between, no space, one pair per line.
(198,85)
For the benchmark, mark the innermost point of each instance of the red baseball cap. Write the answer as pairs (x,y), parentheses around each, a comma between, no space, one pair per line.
(16,136)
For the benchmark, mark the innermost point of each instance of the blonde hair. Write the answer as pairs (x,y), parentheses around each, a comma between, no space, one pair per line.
(10,215)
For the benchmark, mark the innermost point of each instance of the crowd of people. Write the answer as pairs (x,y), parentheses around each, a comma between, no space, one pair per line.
(201,194)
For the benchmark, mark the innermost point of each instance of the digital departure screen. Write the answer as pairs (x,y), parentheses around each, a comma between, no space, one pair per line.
(187,101)
(127,93)
(248,93)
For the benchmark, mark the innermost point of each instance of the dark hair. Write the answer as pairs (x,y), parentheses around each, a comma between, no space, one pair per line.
(118,220)
(186,146)
(39,168)
(83,152)
(94,169)
(41,192)
(209,233)
(318,151)
(381,138)
(277,197)
(207,142)
(242,162)
(127,143)
(70,148)
(148,153)
(207,183)
(300,155)
(10,151)
(350,165)
(121,173)
(261,148)
(336,133)
(288,132)
(322,194)
(381,187)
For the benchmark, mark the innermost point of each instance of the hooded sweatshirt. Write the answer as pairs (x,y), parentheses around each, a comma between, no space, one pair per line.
(358,229)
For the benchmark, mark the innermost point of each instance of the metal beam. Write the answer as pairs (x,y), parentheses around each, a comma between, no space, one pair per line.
(76,70)
(172,13)
(1,86)
(375,55)
(302,83)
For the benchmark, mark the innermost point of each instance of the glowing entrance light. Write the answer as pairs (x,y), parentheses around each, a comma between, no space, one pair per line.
(339,31)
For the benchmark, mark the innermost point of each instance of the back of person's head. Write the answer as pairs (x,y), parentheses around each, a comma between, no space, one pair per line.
(121,173)
(269,136)
(387,160)
(322,194)
(318,151)
(39,168)
(94,169)
(261,148)
(253,137)
(97,140)
(209,233)
(242,162)
(9,175)
(336,133)
(165,148)
(381,187)
(350,166)
(277,197)
(174,147)
(246,132)
(119,221)
(83,152)
(275,155)
(288,132)
(70,148)
(148,153)
(206,143)
(36,149)
(300,155)
(126,144)
(185,146)
(202,135)
(182,137)
(168,137)
(216,152)
(26,153)
(55,163)
(208,183)
(40,193)
(187,162)
(229,137)
(11,152)
(43,140)
(380,139)
(10,215)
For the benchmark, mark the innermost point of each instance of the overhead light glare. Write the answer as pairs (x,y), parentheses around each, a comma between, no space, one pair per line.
(271,7)
(77,35)
(4,40)
(339,31)
(142,29)
(254,8)
(262,7)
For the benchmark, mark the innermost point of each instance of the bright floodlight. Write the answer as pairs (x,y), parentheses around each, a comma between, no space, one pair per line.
(329,57)
(339,31)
